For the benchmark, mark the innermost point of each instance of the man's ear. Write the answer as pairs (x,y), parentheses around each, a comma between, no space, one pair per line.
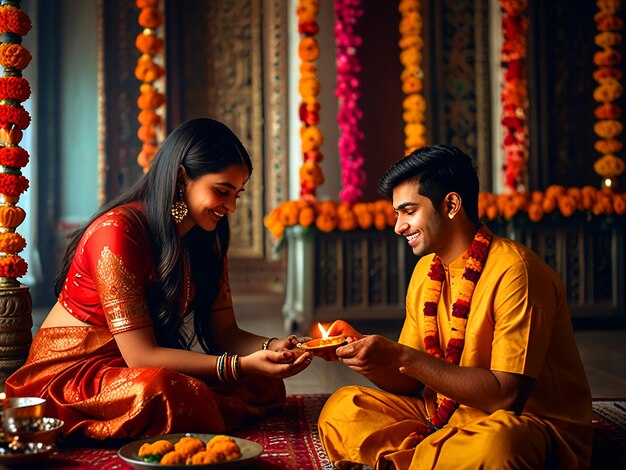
(453,204)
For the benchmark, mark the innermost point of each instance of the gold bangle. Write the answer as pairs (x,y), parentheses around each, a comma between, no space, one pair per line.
(267,343)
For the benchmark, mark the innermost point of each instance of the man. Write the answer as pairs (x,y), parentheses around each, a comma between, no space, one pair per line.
(486,372)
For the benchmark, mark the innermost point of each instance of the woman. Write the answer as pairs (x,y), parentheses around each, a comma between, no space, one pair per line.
(116,356)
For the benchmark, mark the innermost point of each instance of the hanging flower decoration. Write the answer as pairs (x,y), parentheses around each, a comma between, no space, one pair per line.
(14,90)
(311,176)
(411,44)
(348,92)
(148,71)
(609,77)
(514,93)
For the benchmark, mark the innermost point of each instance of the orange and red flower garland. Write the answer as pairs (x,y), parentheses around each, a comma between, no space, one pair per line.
(460,313)
(148,72)
(609,89)
(14,90)
(311,175)
(414,104)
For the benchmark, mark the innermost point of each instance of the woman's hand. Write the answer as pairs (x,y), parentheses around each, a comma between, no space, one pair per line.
(278,364)
(281,344)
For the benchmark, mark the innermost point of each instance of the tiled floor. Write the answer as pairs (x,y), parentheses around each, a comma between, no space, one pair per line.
(603,352)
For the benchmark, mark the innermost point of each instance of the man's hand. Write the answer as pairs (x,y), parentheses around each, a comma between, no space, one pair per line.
(379,359)
(340,327)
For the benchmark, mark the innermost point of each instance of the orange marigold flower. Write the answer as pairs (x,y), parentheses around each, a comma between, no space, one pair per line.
(11,242)
(608,129)
(149,43)
(312,138)
(147,134)
(608,146)
(411,85)
(288,214)
(150,17)
(308,49)
(148,117)
(309,87)
(306,218)
(150,100)
(326,222)
(12,266)
(567,206)
(147,70)
(608,111)
(535,212)
(549,204)
(380,221)
(14,56)
(365,220)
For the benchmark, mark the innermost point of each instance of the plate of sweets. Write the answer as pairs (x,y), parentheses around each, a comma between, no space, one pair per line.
(325,343)
(190,451)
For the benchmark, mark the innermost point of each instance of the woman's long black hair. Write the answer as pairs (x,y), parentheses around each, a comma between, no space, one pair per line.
(200,146)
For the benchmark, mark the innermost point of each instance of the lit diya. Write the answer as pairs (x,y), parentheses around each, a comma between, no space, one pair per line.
(324,343)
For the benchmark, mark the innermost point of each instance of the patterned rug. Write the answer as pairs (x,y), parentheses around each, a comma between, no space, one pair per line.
(290,440)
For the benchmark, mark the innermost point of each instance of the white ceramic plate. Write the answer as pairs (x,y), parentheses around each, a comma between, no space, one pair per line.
(249,451)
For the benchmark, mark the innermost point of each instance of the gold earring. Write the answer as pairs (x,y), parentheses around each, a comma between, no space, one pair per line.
(179,208)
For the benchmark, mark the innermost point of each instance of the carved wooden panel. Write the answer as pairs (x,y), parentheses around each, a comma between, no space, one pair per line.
(232,59)
(119,90)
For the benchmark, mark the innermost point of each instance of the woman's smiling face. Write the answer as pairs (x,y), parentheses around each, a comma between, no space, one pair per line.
(211,197)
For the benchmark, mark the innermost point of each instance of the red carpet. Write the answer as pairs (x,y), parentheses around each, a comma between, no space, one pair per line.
(290,440)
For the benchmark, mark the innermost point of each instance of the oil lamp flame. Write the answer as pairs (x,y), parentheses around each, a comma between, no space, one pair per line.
(324,332)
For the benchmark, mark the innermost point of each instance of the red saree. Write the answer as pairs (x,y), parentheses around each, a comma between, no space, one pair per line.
(80,371)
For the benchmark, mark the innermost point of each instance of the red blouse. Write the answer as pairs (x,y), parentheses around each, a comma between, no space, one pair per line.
(111,270)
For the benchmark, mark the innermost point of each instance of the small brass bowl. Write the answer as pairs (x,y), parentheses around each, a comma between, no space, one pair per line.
(23,407)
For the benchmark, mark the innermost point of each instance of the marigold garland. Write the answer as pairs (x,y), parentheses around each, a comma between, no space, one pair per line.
(328,216)
(515,93)
(348,92)
(14,90)
(414,104)
(311,176)
(460,313)
(609,166)
(148,71)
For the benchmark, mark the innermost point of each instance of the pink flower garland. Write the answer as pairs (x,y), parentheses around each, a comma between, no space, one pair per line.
(348,93)
(514,93)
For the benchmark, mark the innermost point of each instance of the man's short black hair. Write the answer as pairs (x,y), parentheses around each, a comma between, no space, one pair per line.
(439,170)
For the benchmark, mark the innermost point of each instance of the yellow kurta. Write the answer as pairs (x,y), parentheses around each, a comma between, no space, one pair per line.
(519,323)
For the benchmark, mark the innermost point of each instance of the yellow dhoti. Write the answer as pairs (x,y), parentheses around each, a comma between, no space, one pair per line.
(369,426)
